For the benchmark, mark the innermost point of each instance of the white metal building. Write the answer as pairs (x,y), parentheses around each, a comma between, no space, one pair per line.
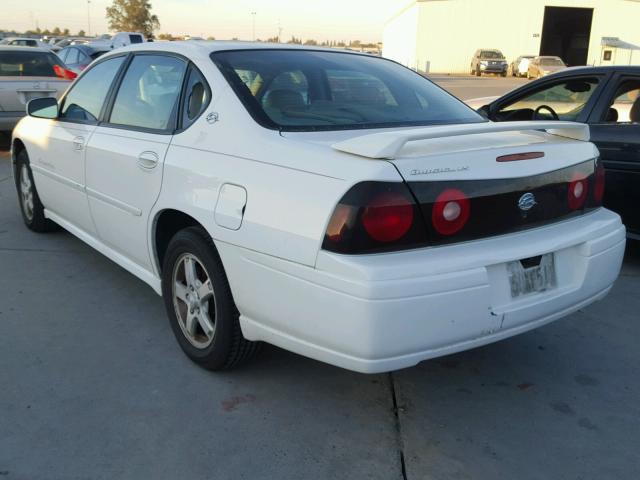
(441,35)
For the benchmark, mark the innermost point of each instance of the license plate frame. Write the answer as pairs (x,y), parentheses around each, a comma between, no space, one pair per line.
(532,279)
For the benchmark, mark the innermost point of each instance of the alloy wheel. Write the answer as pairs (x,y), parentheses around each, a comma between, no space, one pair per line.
(194,301)
(26,193)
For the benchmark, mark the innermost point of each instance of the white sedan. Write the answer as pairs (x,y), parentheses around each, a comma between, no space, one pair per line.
(335,204)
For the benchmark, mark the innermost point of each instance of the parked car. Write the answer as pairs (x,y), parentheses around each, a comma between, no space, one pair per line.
(78,57)
(65,42)
(335,204)
(488,61)
(120,39)
(520,66)
(26,73)
(606,98)
(542,66)
(25,42)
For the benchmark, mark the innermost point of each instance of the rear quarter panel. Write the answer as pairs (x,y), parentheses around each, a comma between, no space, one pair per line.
(292,186)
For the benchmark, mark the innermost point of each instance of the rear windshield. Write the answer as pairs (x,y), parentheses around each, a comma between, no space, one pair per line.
(312,90)
(27,64)
(491,54)
(551,62)
(135,39)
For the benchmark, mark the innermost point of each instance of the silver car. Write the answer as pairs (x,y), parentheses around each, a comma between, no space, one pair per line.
(26,73)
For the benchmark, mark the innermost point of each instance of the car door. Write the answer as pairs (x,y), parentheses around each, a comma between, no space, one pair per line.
(567,98)
(125,154)
(615,129)
(58,163)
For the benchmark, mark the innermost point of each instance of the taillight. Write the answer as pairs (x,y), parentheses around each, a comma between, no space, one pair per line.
(64,73)
(451,212)
(599,181)
(375,217)
(388,217)
(577,192)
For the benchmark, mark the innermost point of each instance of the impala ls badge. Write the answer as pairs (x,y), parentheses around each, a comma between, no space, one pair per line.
(527,202)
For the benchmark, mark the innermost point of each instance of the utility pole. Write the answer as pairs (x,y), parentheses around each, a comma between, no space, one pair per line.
(253,17)
(279,32)
(89,17)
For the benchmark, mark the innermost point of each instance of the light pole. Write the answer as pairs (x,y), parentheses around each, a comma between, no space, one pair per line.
(89,17)
(253,18)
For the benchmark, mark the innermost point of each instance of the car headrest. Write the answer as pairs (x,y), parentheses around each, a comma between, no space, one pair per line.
(284,100)
(634,114)
(612,116)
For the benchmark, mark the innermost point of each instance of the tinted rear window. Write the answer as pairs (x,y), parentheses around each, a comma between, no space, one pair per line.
(27,64)
(135,38)
(303,90)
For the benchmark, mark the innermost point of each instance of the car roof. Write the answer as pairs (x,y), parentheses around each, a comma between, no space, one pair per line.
(20,48)
(211,46)
(634,69)
(89,47)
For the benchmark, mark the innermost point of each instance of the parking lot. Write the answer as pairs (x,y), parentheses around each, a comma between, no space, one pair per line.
(94,386)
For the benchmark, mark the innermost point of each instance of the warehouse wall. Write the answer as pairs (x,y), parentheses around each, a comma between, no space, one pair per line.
(400,36)
(451,30)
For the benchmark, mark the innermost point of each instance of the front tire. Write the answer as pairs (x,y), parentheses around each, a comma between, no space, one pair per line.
(30,205)
(478,72)
(199,303)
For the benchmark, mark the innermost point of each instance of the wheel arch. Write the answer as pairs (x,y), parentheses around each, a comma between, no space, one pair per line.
(165,225)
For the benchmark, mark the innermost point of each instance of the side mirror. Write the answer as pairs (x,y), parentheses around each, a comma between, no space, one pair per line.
(46,107)
(484,111)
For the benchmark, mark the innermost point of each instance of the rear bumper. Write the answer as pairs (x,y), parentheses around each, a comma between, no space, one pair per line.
(8,120)
(376,313)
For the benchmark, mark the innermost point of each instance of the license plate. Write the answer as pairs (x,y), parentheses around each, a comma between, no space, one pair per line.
(532,275)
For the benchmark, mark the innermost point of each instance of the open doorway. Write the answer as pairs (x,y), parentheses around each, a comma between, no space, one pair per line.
(566,33)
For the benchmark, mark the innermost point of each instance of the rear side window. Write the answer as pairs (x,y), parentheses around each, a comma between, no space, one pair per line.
(27,64)
(84,101)
(149,93)
(72,56)
(197,97)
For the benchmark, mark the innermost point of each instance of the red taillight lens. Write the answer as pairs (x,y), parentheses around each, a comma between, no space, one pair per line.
(375,217)
(577,194)
(64,73)
(451,212)
(598,188)
(388,217)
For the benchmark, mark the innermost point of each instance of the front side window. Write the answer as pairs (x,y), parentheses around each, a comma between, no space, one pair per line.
(566,99)
(28,64)
(149,93)
(303,90)
(84,101)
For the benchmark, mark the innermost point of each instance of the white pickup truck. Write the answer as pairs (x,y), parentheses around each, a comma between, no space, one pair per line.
(26,73)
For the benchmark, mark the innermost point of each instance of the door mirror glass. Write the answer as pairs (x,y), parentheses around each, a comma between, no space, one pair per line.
(43,108)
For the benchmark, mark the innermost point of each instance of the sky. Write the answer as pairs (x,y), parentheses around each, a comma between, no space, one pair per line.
(318,19)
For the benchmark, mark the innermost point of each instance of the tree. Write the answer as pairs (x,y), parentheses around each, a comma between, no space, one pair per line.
(81,33)
(132,16)
(56,31)
(65,32)
(311,42)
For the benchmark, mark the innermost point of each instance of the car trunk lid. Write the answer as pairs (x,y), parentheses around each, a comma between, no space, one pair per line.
(15,92)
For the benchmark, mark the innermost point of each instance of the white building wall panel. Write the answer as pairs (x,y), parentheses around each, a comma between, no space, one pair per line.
(447,32)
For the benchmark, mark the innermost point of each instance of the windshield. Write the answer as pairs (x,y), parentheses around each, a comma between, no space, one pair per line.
(491,54)
(551,62)
(27,64)
(300,90)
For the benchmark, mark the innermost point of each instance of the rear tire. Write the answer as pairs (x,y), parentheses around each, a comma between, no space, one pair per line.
(478,72)
(199,303)
(30,205)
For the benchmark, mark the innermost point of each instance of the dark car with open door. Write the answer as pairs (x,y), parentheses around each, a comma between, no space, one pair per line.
(606,98)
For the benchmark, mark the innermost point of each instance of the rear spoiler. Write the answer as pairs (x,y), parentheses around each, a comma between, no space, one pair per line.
(387,145)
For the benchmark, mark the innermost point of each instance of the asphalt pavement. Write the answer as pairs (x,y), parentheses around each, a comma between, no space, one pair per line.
(94,386)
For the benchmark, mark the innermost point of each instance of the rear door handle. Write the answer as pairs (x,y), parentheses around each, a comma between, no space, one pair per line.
(148,160)
(78,143)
